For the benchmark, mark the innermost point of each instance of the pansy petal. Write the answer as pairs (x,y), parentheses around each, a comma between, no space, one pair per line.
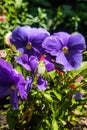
(75,59)
(4,91)
(22,50)
(20,84)
(19,36)
(5,65)
(61,59)
(76,42)
(52,45)
(33,61)
(23,60)
(63,37)
(37,35)
(41,83)
(48,64)
(22,90)
(29,63)
(14,99)
(6,78)
(29,85)
(70,61)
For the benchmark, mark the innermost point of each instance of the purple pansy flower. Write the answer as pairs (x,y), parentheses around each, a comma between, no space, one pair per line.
(78,95)
(29,40)
(11,83)
(29,63)
(41,83)
(66,48)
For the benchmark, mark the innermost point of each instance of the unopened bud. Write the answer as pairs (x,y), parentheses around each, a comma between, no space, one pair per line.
(41,68)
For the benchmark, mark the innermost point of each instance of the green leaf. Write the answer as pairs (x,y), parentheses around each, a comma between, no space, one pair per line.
(58,95)
(48,97)
(81,69)
(52,74)
(11,120)
(19,68)
(54,125)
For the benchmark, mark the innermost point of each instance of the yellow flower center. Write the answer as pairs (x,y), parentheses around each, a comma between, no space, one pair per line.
(65,50)
(29,46)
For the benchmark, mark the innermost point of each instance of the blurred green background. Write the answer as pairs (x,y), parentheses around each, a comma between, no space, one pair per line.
(53,15)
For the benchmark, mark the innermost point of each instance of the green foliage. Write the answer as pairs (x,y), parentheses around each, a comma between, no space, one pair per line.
(11,119)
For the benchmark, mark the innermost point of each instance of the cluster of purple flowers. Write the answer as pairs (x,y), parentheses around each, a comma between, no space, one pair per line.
(39,53)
